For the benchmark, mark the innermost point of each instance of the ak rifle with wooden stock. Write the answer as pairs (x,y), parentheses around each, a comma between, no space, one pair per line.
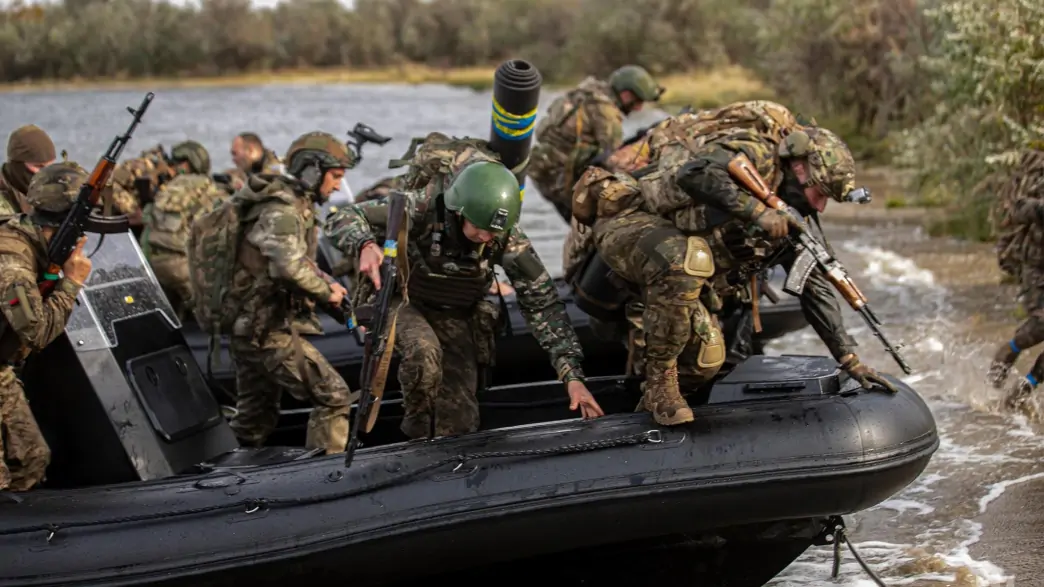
(78,219)
(812,254)
(380,335)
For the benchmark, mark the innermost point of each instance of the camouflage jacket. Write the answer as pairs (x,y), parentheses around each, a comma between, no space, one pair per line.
(581,124)
(276,264)
(381,188)
(705,182)
(179,201)
(138,179)
(34,322)
(11,200)
(352,227)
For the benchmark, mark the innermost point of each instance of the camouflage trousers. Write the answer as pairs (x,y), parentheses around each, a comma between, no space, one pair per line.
(670,269)
(264,369)
(173,275)
(441,354)
(25,452)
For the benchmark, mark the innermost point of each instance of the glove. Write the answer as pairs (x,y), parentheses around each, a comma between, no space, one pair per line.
(866,376)
(774,222)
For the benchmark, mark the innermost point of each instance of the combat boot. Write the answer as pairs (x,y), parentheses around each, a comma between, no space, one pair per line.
(1000,367)
(663,396)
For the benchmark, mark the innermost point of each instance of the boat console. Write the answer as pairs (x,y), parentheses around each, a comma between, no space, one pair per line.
(119,396)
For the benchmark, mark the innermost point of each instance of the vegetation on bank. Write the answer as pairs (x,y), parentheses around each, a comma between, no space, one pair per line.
(951,91)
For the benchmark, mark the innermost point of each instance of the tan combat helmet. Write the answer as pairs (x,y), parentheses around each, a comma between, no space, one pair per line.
(53,190)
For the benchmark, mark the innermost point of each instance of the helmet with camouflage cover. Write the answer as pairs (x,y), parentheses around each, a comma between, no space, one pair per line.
(194,153)
(53,190)
(319,148)
(487,194)
(830,163)
(636,79)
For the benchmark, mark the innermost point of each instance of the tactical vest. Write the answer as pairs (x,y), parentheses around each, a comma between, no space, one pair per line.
(568,122)
(18,238)
(446,269)
(437,157)
(170,216)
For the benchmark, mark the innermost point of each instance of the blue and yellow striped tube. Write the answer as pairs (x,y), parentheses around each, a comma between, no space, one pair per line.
(513,127)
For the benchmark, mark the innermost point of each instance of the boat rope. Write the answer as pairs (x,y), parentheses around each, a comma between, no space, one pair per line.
(841,535)
(254,505)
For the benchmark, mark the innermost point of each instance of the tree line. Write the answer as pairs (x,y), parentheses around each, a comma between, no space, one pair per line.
(948,89)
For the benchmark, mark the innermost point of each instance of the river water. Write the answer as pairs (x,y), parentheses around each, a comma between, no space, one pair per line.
(974,516)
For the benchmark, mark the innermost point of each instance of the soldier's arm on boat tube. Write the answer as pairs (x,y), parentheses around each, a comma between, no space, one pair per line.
(822,310)
(707,180)
(280,235)
(36,321)
(541,307)
(350,228)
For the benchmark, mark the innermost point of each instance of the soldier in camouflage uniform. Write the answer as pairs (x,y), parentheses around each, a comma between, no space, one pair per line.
(29,149)
(1023,254)
(134,183)
(31,322)
(380,189)
(276,277)
(708,210)
(584,124)
(463,222)
(179,201)
(250,157)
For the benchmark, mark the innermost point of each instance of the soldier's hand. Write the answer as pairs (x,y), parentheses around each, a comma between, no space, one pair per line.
(580,398)
(865,375)
(337,293)
(370,263)
(774,222)
(78,267)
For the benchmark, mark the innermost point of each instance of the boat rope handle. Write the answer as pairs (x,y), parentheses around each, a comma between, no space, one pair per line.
(254,505)
(841,535)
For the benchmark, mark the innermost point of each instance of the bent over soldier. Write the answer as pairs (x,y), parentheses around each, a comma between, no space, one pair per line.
(167,220)
(583,125)
(32,322)
(274,288)
(462,223)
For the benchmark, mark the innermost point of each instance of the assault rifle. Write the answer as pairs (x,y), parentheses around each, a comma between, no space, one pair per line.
(813,254)
(380,335)
(364,133)
(78,219)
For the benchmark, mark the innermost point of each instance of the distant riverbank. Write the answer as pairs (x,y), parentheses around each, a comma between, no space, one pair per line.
(701,89)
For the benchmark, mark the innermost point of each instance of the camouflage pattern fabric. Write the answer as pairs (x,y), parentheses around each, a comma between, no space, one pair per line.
(578,243)
(265,368)
(681,337)
(439,372)
(24,453)
(151,165)
(33,324)
(583,123)
(11,200)
(276,278)
(381,189)
(167,221)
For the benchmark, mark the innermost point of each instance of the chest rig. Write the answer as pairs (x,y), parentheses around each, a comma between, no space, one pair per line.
(447,271)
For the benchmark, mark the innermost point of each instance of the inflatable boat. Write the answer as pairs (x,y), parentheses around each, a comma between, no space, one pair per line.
(148,485)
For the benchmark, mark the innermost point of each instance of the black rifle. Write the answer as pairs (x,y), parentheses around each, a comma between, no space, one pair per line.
(79,217)
(380,335)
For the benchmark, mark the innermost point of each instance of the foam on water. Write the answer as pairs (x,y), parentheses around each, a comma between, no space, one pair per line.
(982,451)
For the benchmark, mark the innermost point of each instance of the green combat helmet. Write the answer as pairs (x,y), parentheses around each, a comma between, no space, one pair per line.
(638,80)
(317,148)
(830,163)
(53,190)
(194,153)
(486,193)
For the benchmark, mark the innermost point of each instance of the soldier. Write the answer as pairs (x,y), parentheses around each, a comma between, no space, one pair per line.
(1023,255)
(250,157)
(708,236)
(380,189)
(134,183)
(31,322)
(583,125)
(167,220)
(275,286)
(29,150)
(462,223)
